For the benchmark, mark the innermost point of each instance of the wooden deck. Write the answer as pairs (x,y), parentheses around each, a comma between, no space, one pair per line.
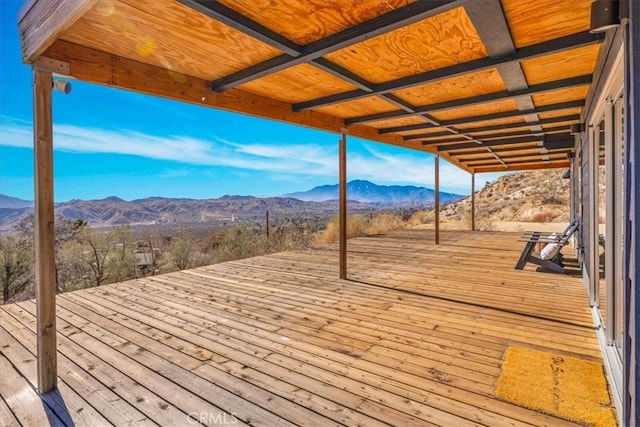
(416,337)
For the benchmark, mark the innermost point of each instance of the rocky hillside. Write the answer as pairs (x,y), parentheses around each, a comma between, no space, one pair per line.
(531,196)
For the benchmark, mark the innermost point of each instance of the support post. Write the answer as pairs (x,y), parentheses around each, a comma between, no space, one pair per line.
(473,202)
(343,205)
(437,207)
(631,270)
(45,270)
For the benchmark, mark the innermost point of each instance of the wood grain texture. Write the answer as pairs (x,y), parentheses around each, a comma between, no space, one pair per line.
(499,131)
(465,86)
(88,65)
(536,21)
(415,337)
(169,35)
(371,105)
(559,113)
(42,22)
(562,95)
(401,121)
(307,21)
(478,109)
(564,65)
(423,46)
(297,84)
(44,231)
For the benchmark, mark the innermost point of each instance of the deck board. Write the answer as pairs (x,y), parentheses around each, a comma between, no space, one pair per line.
(416,336)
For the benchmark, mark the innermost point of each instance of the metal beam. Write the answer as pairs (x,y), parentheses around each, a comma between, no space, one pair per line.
(238,21)
(529,52)
(464,102)
(513,161)
(45,264)
(342,165)
(507,134)
(507,141)
(484,117)
(501,150)
(476,158)
(393,20)
(561,119)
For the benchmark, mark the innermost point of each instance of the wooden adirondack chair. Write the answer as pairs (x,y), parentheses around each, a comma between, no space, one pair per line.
(549,258)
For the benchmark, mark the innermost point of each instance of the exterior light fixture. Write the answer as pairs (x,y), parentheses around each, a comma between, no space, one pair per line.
(604,15)
(62,86)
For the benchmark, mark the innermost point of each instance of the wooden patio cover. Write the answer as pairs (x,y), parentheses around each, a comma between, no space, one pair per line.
(490,85)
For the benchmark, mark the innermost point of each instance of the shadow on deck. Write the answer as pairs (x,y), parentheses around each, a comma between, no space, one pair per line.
(416,336)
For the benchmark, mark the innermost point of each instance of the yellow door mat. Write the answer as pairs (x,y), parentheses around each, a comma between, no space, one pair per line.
(566,387)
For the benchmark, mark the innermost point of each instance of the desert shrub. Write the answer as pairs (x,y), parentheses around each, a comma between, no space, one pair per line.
(421,217)
(241,241)
(382,223)
(358,225)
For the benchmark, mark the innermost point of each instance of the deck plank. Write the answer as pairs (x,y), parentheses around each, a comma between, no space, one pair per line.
(416,336)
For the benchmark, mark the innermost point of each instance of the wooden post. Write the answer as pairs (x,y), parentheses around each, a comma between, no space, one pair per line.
(343,205)
(437,207)
(45,268)
(473,201)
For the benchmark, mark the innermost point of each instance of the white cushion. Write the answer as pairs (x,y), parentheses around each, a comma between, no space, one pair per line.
(550,250)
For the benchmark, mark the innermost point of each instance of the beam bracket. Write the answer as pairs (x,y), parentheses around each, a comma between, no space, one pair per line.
(54,66)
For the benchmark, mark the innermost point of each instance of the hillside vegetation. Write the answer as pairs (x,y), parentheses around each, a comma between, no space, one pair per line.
(531,196)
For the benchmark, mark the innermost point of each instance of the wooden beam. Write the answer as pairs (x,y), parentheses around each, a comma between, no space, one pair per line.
(45,20)
(45,267)
(89,65)
(473,201)
(436,161)
(342,163)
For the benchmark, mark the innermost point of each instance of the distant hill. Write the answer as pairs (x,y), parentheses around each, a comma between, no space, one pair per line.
(368,192)
(157,210)
(8,202)
(363,196)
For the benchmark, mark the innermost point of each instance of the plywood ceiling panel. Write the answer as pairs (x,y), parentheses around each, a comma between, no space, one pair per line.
(560,113)
(424,46)
(499,131)
(168,35)
(400,121)
(478,109)
(297,84)
(306,21)
(536,21)
(465,86)
(371,105)
(562,95)
(563,65)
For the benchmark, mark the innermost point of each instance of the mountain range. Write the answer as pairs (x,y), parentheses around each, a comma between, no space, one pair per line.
(362,195)
(368,192)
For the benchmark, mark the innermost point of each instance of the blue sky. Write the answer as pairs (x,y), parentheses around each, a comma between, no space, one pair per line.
(112,142)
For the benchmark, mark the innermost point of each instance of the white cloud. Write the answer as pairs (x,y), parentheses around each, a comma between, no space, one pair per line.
(278,159)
